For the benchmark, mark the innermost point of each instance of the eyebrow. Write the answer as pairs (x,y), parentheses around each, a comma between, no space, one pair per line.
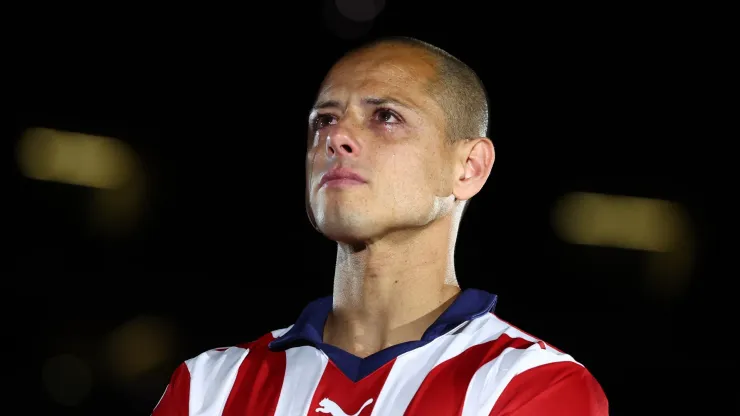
(367,100)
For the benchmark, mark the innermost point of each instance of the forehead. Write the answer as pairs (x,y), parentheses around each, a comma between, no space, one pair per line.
(400,71)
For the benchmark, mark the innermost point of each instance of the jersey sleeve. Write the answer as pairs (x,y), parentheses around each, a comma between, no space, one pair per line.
(176,397)
(562,388)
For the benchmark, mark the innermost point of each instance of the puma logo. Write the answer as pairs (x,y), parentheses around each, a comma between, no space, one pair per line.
(328,406)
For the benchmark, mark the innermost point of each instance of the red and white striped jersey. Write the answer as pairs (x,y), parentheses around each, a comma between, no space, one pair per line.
(469,362)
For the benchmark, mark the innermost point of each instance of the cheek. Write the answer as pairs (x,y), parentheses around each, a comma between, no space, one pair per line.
(410,177)
(309,167)
(314,164)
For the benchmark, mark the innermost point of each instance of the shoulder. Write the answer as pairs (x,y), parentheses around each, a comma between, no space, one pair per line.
(519,347)
(527,374)
(217,363)
(209,375)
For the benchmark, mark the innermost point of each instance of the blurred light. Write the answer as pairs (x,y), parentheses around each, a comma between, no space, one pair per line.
(75,158)
(139,346)
(620,221)
(106,164)
(67,379)
(662,229)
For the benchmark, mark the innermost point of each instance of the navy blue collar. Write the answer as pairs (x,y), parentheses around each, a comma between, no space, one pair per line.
(309,330)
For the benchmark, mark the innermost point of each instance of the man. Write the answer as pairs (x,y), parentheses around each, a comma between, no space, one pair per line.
(397,147)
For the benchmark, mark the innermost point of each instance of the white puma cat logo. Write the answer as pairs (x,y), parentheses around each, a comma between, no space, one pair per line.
(328,406)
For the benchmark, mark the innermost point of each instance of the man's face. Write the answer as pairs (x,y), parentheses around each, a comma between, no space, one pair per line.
(375,118)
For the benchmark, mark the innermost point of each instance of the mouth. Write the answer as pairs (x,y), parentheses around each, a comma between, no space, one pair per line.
(341,177)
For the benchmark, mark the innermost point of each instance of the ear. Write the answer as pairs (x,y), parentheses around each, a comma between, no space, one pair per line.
(474,162)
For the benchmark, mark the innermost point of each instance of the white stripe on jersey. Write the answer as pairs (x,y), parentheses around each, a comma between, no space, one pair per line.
(212,376)
(280,332)
(303,369)
(492,378)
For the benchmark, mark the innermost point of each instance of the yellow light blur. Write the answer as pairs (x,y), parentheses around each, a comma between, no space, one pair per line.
(107,165)
(75,158)
(620,221)
(139,346)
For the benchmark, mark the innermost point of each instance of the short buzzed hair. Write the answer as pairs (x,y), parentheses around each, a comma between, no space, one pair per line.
(457,89)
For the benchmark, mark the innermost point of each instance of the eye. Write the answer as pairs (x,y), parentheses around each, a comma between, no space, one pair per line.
(387,116)
(323,120)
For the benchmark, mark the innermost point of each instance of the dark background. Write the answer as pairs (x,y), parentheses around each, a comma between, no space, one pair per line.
(615,100)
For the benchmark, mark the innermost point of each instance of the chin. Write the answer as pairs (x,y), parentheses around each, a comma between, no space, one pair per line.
(349,231)
(344,221)
(347,235)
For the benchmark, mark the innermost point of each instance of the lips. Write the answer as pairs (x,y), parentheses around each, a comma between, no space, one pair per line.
(341,175)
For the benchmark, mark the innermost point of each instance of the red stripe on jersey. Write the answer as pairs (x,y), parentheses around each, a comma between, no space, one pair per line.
(338,395)
(555,389)
(258,382)
(444,388)
(176,398)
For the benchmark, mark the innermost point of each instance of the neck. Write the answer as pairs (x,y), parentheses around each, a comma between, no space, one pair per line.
(390,291)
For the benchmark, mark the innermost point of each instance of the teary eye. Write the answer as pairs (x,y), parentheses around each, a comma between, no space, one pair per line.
(387,116)
(323,120)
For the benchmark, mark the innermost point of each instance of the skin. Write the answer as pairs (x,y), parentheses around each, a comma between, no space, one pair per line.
(396,233)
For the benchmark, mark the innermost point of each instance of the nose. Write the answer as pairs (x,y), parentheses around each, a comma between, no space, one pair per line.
(340,143)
